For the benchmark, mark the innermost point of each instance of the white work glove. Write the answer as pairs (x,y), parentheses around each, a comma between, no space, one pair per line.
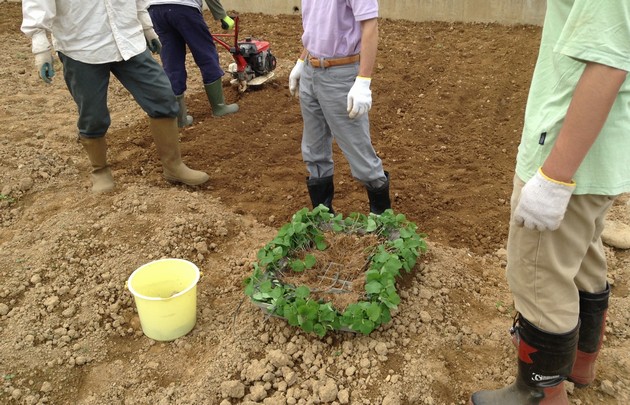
(43,56)
(153,41)
(543,203)
(360,97)
(294,77)
(45,68)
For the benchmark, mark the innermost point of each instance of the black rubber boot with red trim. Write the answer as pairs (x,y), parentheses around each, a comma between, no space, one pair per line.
(593,309)
(544,362)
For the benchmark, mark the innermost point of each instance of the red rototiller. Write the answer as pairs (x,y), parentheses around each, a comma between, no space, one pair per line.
(253,62)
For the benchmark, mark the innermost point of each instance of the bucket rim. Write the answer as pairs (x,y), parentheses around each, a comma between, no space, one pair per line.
(179,294)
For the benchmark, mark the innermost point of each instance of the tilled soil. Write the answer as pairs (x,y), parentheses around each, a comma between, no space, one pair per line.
(448,107)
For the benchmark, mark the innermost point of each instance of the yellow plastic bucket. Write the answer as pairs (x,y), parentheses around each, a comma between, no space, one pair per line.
(165,292)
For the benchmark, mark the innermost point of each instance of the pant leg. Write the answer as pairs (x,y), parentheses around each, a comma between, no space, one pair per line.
(146,81)
(204,51)
(591,277)
(543,266)
(88,84)
(166,22)
(352,135)
(317,151)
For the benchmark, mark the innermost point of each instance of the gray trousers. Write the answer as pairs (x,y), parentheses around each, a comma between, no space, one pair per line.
(141,75)
(323,100)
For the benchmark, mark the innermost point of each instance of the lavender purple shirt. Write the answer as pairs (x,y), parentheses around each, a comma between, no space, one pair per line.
(332,28)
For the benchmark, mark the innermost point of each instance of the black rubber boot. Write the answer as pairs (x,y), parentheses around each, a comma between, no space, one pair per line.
(321,190)
(544,362)
(379,197)
(593,309)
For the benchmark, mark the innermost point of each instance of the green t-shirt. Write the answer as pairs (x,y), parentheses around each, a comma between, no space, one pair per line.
(576,31)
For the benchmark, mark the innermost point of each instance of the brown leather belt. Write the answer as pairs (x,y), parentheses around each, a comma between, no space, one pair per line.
(329,62)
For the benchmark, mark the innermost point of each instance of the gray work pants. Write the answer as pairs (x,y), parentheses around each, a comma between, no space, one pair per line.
(142,75)
(323,100)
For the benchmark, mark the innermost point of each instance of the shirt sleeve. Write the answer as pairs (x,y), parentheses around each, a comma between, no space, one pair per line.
(598,31)
(216,9)
(143,14)
(37,20)
(363,9)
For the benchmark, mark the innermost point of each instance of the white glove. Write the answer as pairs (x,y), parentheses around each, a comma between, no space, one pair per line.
(45,68)
(294,77)
(543,203)
(153,41)
(360,97)
(43,56)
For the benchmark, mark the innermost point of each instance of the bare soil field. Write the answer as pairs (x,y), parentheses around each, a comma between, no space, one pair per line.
(448,105)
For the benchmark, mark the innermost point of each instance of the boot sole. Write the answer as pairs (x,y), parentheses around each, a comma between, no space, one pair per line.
(179,181)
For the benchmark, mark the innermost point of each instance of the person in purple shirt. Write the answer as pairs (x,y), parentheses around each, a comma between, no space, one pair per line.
(332,78)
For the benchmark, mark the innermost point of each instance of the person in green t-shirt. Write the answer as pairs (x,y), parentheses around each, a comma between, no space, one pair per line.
(573,160)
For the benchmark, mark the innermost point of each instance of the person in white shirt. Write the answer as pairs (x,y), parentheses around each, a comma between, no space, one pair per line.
(94,40)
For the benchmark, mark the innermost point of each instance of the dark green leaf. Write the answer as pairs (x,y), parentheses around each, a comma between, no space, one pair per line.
(297,266)
(309,261)
(302,291)
(374,312)
(373,287)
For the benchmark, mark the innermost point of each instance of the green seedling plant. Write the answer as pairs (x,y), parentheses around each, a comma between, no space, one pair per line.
(7,198)
(400,248)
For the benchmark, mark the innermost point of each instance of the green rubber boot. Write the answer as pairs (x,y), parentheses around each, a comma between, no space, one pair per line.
(214,91)
(183,119)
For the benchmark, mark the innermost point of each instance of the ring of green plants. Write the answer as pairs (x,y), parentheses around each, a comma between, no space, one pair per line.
(400,249)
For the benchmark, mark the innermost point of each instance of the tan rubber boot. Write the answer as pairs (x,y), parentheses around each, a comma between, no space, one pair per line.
(183,119)
(214,91)
(166,137)
(96,148)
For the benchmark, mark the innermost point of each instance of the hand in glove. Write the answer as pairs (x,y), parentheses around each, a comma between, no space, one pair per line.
(227,23)
(45,68)
(294,77)
(153,41)
(543,203)
(360,97)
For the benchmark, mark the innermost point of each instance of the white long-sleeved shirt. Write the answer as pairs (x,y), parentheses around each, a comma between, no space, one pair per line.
(88,31)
